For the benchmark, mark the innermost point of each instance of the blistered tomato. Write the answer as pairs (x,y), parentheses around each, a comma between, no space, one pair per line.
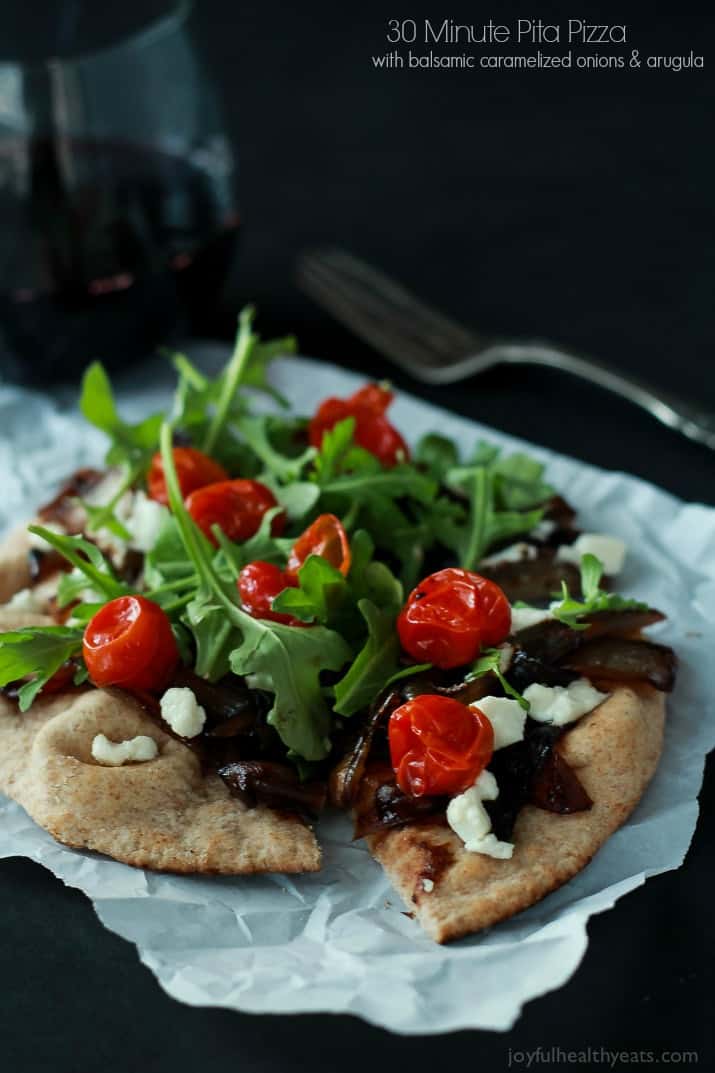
(451,615)
(129,643)
(327,538)
(438,746)
(237,507)
(258,585)
(373,431)
(194,469)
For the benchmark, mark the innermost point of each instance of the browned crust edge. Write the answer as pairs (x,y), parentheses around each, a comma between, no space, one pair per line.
(615,751)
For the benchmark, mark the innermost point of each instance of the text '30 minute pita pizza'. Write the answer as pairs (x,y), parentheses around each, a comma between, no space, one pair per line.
(244,619)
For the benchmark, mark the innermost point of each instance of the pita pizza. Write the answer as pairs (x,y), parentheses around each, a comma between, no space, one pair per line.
(242,620)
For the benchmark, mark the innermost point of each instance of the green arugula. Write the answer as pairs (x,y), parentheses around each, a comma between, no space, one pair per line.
(486,523)
(572,612)
(92,571)
(37,651)
(489,662)
(283,659)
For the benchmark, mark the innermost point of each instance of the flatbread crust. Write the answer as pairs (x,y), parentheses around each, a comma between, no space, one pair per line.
(14,564)
(162,814)
(614,750)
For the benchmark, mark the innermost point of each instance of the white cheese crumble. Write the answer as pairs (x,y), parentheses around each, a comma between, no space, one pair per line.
(610,550)
(515,553)
(26,600)
(469,819)
(183,713)
(427,885)
(145,522)
(115,753)
(506,654)
(562,704)
(506,716)
(523,617)
(543,530)
(38,543)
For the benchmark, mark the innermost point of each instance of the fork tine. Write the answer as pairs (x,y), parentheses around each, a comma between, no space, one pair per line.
(428,320)
(348,306)
(382,311)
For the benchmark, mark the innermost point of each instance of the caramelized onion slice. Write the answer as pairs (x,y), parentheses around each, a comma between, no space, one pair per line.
(557,788)
(258,782)
(550,641)
(534,580)
(345,779)
(625,661)
(382,805)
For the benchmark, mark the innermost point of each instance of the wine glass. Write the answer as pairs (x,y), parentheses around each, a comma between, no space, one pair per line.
(118,214)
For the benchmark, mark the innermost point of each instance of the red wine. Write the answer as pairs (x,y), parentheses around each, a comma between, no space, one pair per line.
(107,250)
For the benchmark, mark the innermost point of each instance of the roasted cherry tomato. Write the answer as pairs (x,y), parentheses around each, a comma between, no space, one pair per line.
(258,584)
(372,429)
(438,746)
(236,506)
(327,538)
(129,643)
(450,615)
(194,469)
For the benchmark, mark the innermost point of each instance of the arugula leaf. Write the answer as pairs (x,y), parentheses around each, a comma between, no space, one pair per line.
(246,368)
(255,430)
(288,661)
(132,445)
(572,612)
(340,454)
(438,454)
(374,666)
(518,482)
(87,560)
(486,524)
(283,659)
(39,651)
(489,662)
(319,595)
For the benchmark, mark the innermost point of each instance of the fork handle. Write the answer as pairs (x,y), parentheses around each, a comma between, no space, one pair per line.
(696,424)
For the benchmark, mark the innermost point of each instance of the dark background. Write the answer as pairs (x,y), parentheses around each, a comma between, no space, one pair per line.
(572,205)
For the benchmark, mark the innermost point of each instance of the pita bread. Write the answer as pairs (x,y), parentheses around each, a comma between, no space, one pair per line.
(163,814)
(14,564)
(615,752)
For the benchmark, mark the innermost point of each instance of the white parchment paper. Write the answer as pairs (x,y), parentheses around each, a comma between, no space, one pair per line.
(339,941)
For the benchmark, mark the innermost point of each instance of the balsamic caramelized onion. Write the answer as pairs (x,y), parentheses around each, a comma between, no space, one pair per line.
(556,787)
(621,660)
(534,580)
(261,782)
(345,779)
(63,509)
(381,804)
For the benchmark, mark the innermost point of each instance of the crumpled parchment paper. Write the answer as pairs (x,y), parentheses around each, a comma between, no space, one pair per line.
(339,941)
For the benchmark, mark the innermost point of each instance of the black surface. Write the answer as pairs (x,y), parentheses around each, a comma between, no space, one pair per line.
(572,205)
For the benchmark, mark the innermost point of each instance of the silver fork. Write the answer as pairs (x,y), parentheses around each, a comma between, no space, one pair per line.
(436,350)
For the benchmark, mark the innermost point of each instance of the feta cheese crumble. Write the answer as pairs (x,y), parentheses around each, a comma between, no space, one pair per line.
(543,530)
(145,522)
(183,713)
(469,819)
(115,753)
(562,704)
(523,617)
(427,885)
(610,550)
(26,600)
(506,716)
(515,553)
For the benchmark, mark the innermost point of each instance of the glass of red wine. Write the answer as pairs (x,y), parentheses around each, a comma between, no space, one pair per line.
(118,213)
